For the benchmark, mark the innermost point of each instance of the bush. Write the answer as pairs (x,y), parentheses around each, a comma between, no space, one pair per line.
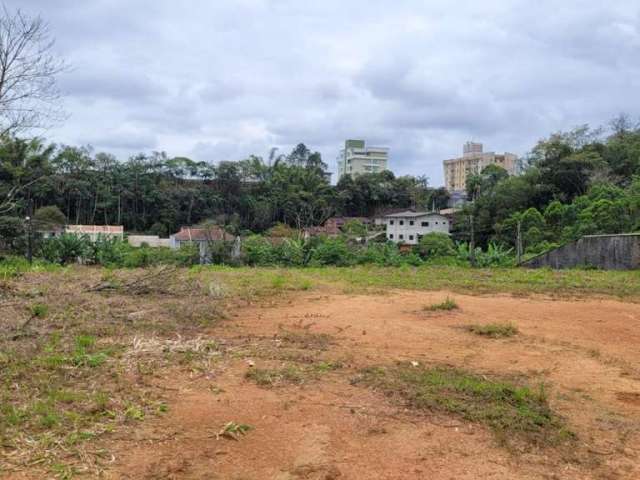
(12,233)
(67,248)
(257,250)
(436,245)
(292,253)
(332,251)
(496,256)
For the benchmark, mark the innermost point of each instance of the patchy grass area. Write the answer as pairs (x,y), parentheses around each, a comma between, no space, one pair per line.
(292,374)
(494,330)
(506,280)
(511,410)
(446,305)
(78,347)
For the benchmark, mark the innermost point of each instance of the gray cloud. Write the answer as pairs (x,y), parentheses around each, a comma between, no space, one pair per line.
(223,80)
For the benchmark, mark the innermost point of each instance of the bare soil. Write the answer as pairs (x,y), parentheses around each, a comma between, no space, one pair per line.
(325,427)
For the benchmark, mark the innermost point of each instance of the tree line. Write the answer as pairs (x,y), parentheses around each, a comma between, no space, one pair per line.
(575,183)
(582,182)
(156,194)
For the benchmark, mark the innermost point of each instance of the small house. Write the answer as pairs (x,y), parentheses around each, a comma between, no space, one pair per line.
(407,228)
(203,237)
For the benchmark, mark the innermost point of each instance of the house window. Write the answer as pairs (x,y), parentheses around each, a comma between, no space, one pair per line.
(391,235)
(410,237)
(410,222)
(436,223)
(390,222)
(401,222)
(401,236)
(425,224)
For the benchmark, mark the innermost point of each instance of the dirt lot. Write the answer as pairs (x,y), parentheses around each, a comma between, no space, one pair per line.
(316,421)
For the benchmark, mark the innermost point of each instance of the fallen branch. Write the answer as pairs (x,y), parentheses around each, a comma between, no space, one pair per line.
(138,286)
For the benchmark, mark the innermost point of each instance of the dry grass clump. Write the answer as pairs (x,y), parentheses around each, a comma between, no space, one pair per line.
(447,305)
(290,374)
(494,330)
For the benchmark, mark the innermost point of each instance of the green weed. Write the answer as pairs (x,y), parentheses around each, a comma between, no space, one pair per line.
(494,330)
(511,410)
(448,304)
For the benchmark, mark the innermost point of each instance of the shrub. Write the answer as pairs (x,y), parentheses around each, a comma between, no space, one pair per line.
(257,250)
(292,252)
(495,256)
(494,330)
(332,251)
(448,304)
(436,245)
(67,248)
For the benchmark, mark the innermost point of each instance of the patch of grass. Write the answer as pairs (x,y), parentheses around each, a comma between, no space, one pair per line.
(290,374)
(448,304)
(39,310)
(494,330)
(512,411)
(306,340)
(269,377)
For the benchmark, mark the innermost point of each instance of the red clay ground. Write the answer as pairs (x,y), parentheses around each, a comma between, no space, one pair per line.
(327,428)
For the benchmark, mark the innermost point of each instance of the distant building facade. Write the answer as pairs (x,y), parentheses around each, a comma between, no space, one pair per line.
(356,158)
(96,231)
(408,227)
(473,161)
(148,240)
(203,237)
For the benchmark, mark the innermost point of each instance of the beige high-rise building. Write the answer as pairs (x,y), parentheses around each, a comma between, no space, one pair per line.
(473,160)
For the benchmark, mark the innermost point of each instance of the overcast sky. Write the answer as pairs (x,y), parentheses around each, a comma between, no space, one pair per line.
(220,80)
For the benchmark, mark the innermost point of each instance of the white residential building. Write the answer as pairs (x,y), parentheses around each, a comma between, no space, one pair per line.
(409,227)
(355,159)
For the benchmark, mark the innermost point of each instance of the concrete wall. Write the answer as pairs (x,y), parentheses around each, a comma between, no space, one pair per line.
(609,252)
(151,240)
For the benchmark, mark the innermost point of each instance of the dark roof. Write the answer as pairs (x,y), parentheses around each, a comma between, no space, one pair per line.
(202,234)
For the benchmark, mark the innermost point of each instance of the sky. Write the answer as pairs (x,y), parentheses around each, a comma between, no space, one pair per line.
(224,79)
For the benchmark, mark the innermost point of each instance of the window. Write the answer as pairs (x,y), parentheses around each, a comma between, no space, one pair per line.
(401,236)
(425,224)
(390,222)
(401,222)
(410,237)
(436,223)
(391,235)
(410,222)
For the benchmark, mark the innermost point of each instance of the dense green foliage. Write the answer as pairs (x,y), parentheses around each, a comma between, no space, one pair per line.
(576,183)
(67,249)
(157,194)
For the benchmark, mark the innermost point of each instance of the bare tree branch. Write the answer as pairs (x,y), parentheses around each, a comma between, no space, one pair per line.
(29,96)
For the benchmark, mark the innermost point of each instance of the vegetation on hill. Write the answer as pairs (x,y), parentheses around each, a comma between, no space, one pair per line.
(575,183)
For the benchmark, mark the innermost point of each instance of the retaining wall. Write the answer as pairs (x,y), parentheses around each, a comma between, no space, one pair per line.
(609,252)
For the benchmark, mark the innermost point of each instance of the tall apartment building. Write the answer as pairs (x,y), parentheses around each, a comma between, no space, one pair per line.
(355,158)
(473,160)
